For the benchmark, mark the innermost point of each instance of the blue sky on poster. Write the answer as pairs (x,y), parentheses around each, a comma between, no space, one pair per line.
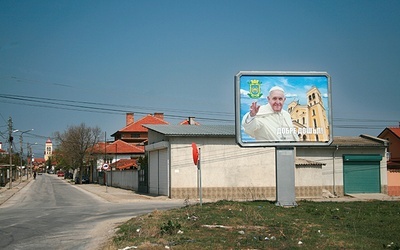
(66,62)
(295,88)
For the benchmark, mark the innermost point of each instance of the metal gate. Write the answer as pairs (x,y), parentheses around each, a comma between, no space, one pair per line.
(143,181)
(158,172)
(361,174)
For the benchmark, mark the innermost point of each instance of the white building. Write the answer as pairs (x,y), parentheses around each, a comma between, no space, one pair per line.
(348,165)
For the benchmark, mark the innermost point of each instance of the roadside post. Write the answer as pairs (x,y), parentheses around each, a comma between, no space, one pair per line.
(196,160)
(105,167)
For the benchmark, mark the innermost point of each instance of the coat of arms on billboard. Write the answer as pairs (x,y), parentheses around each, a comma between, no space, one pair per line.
(255,89)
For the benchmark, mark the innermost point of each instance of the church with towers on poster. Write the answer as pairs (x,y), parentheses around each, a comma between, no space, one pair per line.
(311,116)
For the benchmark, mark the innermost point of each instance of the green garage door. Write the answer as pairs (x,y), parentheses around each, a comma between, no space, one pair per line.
(361,174)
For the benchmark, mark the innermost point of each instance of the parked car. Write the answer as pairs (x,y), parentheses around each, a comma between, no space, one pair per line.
(68,175)
(60,174)
(85,179)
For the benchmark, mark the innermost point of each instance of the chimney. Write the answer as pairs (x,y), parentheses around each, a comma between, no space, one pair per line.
(1,145)
(129,118)
(191,120)
(159,115)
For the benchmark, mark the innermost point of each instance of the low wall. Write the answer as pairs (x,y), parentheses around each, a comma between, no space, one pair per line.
(126,179)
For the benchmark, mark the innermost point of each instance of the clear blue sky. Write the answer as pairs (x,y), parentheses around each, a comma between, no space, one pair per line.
(64,63)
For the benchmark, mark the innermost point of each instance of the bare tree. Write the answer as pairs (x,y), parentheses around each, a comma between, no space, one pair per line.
(75,143)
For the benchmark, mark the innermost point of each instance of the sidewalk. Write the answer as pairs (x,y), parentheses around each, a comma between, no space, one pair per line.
(116,195)
(6,193)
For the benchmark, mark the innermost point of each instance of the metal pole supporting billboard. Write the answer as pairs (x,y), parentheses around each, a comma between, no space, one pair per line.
(285,179)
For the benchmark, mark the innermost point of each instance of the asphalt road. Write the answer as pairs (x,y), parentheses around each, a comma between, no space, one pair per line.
(50,213)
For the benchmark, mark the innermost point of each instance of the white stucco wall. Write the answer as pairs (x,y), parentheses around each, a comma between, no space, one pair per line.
(308,176)
(223,164)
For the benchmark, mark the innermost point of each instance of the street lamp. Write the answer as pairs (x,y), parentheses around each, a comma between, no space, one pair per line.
(20,142)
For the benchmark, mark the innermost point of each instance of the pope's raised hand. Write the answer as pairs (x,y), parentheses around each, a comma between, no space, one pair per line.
(254,109)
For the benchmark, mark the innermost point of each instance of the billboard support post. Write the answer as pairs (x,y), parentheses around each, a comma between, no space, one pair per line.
(285,179)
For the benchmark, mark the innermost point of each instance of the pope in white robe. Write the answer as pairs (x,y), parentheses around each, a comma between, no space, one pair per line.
(270,122)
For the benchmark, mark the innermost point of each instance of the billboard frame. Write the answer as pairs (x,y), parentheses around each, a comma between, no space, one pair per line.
(239,131)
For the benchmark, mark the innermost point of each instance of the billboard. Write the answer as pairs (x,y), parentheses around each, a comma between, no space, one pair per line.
(283,108)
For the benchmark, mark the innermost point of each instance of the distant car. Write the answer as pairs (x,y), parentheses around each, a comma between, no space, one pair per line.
(68,176)
(85,180)
(60,174)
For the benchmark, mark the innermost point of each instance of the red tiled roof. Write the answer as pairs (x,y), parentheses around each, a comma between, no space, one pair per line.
(98,148)
(39,160)
(121,147)
(125,164)
(36,160)
(117,147)
(137,126)
(395,131)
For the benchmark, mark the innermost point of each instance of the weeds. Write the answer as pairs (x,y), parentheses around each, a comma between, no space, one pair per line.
(170,228)
(263,225)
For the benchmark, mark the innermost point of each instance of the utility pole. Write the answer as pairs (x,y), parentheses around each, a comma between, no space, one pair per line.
(21,150)
(10,141)
(31,157)
(28,149)
(105,157)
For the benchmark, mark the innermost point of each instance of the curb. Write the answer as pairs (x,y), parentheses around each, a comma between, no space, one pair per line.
(6,193)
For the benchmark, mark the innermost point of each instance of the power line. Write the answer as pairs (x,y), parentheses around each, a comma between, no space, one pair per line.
(96,107)
(99,107)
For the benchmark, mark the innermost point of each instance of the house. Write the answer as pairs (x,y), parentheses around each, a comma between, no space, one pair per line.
(119,149)
(124,164)
(135,132)
(113,152)
(128,144)
(348,165)
(38,164)
(392,135)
